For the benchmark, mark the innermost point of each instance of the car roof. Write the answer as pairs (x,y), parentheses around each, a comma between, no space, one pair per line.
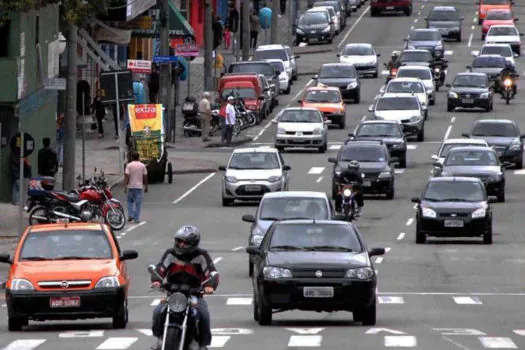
(70,226)
(250,62)
(398,94)
(274,60)
(472,73)
(415,50)
(363,143)
(495,121)
(415,67)
(490,55)
(295,194)
(256,150)
(471,148)
(337,64)
(270,47)
(498,45)
(407,80)
(425,30)
(314,222)
(444,8)
(454,178)
(331,88)
(503,26)
(359,44)
(299,109)
(465,141)
(379,122)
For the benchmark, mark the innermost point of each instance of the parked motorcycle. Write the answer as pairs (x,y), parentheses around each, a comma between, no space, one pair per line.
(190,111)
(180,326)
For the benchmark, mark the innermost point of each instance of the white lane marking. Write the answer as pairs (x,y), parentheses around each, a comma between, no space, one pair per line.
(497,343)
(467,300)
(379,260)
(474,20)
(410,221)
(415,205)
(519,332)
(239,301)
(303,44)
(237,248)
(423,6)
(390,300)
(453,119)
(305,331)
(519,172)
(458,331)
(146,332)
(81,334)
(385,72)
(353,27)
(386,330)
(188,192)
(4,305)
(316,170)
(400,341)
(412,147)
(133,227)
(419,14)
(449,52)
(319,179)
(415,21)
(401,236)
(217,260)
(24,344)
(470,39)
(473,27)
(412,28)
(376,271)
(117,343)
(363,118)
(219,341)
(447,133)
(306,341)
(387,249)
(334,147)
(399,171)
(155,302)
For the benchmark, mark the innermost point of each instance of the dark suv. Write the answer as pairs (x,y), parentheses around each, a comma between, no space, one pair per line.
(379,6)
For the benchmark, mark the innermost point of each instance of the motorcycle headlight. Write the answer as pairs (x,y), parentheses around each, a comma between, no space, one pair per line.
(361,273)
(19,284)
(347,193)
(274,178)
(231,179)
(385,174)
(273,272)
(108,282)
(515,147)
(281,131)
(327,29)
(485,95)
(479,213)
(437,70)
(414,119)
(507,82)
(452,94)
(352,85)
(177,302)
(318,131)
(428,213)
(256,240)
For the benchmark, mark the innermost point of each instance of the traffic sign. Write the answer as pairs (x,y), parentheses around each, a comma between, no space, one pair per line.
(165,59)
(139,66)
(29,144)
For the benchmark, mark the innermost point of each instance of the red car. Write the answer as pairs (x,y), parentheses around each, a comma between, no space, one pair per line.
(496,17)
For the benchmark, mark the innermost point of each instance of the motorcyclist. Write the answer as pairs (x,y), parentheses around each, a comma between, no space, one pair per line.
(509,72)
(351,175)
(186,257)
(392,63)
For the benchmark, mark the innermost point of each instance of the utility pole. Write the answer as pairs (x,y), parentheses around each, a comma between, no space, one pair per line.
(70,121)
(208,47)
(245,30)
(276,10)
(237,36)
(165,68)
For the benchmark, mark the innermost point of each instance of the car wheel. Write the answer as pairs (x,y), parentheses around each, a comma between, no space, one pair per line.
(501,195)
(280,148)
(409,12)
(432,102)
(264,312)
(390,194)
(480,21)
(458,38)
(373,13)
(342,123)
(482,36)
(519,165)
(322,149)
(487,109)
(120,319)
(288,89)
(376,73)
(487,235)
(15,324)
(226,202)
(426,114)
(421,237)
(250,270)
(421,135)
(450,108)
(369,314)
(403,161)
(357,98)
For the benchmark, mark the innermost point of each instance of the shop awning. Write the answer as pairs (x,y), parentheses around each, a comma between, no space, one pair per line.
(178,26)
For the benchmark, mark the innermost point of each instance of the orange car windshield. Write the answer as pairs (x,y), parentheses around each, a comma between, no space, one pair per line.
(66,245)
(322,96)
(495,2)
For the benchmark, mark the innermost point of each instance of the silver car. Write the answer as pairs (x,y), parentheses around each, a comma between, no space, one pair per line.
(252,172)
(286,205)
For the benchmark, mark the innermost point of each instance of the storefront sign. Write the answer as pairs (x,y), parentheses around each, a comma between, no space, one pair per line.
(187,50)
(139,66)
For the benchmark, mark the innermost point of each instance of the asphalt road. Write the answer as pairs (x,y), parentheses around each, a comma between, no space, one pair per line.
(456,294)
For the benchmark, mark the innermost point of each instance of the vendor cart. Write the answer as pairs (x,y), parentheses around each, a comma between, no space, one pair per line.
(146,136)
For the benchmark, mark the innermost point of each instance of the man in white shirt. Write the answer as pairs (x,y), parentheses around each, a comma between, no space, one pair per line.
(231,117)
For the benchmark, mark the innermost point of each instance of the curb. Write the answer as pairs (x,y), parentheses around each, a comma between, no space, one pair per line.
(234,143)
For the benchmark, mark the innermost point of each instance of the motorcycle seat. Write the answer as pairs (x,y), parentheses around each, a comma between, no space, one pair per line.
(73,197)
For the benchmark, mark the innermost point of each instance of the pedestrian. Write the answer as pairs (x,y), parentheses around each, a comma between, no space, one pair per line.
(254,29)
(47,159)
(154,83)
(99,109)
(205,115)
(231,118)
(218,29)
(16,184)
(136,181)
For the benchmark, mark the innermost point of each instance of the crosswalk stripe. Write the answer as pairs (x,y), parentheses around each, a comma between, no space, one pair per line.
(497,343)
(81,334)
(305,341)
(146,332)
(390,300)
(316,170)
(334,147)
(155,302)
(400,341)
(449,52)
(25,344)
(117,343)
(519,172)
(219,341)
(412,147)
(399,171)
(239,301)
(467,300)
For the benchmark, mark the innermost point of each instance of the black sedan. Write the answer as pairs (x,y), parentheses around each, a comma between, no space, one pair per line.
(504,136)
(314,266)
(341,75)
(470,90)
(375,163)
(428,39)
(454,207)
(387,131)
(314,27)
(480,162)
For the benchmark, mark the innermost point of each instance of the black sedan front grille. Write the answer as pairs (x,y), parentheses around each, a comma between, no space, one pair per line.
(325,273)
(371,176)
(468,95)
(453,215)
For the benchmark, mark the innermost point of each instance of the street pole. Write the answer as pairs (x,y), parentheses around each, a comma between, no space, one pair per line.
(122,135)
(208,47)
(70,122)
(21,181)
(246,30)
(276,9)
(84,138)
(237,34)
(165,68)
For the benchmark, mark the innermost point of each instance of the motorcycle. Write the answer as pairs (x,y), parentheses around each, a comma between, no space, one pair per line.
(348,203)
(180,326)
(507,90)
(391,73)
(190,111)
(439,73)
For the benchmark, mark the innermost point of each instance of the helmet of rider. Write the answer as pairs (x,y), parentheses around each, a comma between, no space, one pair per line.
(508,65)
(187,239)
(353,165)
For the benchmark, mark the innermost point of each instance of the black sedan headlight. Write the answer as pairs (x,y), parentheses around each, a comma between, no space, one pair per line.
(360,273)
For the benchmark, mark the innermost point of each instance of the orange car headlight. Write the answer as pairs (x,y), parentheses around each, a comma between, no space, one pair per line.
(20,284)
(108,282)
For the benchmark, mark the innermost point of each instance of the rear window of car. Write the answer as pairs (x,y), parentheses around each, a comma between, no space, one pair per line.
(279,54)
(259,68)
(294,207)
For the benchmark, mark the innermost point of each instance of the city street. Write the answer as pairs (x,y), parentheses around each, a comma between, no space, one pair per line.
(445,294)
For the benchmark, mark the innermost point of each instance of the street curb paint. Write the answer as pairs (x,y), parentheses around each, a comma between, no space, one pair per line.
(234,143)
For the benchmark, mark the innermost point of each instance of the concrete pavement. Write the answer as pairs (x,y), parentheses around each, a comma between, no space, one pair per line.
(446,294)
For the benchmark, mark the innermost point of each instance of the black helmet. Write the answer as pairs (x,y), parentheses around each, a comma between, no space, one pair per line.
(189,234)
(508,64)
(353,165)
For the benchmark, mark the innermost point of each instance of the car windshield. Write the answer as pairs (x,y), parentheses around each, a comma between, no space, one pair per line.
(495,2)
(260,55)
(443,15)
(489,62)
(323,96)
(278,66)
(502,31)
(423,74)
(470,81)
(425,35)
(504,51)
(259,68)
(334,4)
(293,207)
(363,154)
(255,160)
(499,15)
(405,87)
(448,146)
(471,158)
(495,130)
(455,191)
(245,93)
(380,130)
(315,237)
(314,18)
(66,244)
(416,56)
(300,116)
(330,10)
(339,71)
(397,103)
(358,50)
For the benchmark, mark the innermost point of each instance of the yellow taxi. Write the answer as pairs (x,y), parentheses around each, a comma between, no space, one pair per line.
(327,100)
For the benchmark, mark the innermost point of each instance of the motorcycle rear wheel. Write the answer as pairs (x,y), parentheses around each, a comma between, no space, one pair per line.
(116,220)
(39,215)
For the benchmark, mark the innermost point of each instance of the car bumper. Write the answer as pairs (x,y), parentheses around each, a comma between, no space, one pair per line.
(511,156)
(301,141)
(288,294)
(350,94)
(471,227)
(494,188)
(390,7)
(283,84)
(314,37)
(36,305)
(468,103)
(449,33)
(334,118)
(369,69)
(242,190)
(397,152)
(412,129)
(372,185)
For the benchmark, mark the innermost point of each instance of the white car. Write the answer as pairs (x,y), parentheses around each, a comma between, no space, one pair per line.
(408,86)
(498,49)
(505,34)
(448,144)
(285,79)
(362,56)
(332,15)
(301,127)
(423,73)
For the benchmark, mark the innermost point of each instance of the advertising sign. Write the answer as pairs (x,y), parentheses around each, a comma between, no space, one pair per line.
(146,125)
(139,66)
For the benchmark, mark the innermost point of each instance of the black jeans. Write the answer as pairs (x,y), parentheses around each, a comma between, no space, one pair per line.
(253,39)
(203,316)
(358,197)
(228,134)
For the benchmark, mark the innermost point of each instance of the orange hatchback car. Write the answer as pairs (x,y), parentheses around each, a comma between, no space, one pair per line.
(485,6)
(328,100)
(67,272)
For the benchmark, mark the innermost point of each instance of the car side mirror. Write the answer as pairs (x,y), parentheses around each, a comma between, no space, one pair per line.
(253,250)
(297,56)
(465,134)
(438,165)
(332,160)
(434,156)
(287,168)
(416,200)
(371,108)
(469,67)
(448,85)
(522,137)
(315,77)
(507,165)
(351,134)
(129,255)
(516,19)
(492,200)
(384,64)
(405,39)
(462,19)
(222,168)
(426,18)
(327,122)
(376,251)
(521,34)
(248,218)
(299,101)
(338,55)
(5,258)
(515,55)
(266,89)
(378,54)
(477,2)
(275,121)
(331,22)
(382,90)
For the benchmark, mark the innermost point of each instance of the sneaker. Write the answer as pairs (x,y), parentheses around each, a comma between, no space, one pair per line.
(130,219)
(137,221)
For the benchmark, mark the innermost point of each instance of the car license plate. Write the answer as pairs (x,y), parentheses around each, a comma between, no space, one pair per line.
(390,7)
(454,223)
(367,183)
(59,302)
(468,100)
(252,188)
(318,292)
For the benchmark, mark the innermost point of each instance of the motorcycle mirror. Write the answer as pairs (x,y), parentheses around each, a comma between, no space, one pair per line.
(152,269)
